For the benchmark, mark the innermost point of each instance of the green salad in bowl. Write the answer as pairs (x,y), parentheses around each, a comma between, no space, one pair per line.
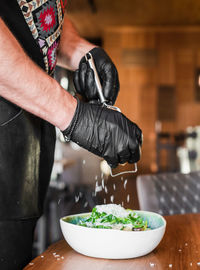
(112,232)
(112,216)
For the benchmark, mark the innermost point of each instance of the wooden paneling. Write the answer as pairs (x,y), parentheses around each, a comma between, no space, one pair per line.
(166,103)
(178,56)
(166,66)
(131,12)
(185,76)
(197,57)
(188,115)
(138,39)
(139,57)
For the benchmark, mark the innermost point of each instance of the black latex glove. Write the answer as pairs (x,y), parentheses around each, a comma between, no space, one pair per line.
(84,77)
(106,133)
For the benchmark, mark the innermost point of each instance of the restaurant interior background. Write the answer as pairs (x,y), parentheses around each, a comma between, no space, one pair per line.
(156,48)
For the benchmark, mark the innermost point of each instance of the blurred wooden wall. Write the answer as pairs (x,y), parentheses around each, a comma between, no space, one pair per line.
(147,59)
(92,16)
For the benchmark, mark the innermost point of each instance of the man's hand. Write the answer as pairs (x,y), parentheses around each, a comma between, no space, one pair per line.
(84,77)
(106,133)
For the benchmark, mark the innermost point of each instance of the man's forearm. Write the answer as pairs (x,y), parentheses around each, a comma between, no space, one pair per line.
(25,84)
(72,47)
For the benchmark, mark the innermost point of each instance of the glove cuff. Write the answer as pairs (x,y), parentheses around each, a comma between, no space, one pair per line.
(67,133)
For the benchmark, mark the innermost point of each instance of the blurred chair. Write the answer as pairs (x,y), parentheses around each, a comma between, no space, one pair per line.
(169,193)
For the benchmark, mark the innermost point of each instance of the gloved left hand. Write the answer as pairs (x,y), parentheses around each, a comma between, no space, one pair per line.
(84,77)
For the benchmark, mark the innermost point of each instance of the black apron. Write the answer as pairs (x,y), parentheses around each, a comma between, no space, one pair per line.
(26,141)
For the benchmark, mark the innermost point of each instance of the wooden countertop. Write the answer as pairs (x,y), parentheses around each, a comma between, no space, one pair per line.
(179,250)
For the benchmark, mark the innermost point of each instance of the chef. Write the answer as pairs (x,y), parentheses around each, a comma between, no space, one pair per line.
(34,36)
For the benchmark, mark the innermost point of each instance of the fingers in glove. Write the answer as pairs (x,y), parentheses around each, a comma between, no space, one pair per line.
(76,82)
(113,165)
(139,135)
(82,76)
(124,156)
(135,155)
(110,80)
(90,85)
(112,162)
(135,145)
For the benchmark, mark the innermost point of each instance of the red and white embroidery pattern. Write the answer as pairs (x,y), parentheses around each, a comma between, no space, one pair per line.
(47,19)
(44,18)
(51,54)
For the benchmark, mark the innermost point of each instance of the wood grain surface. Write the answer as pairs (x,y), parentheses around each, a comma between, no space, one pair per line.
(179,250)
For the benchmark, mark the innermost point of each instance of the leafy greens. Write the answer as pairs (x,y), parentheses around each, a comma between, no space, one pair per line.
(130,222)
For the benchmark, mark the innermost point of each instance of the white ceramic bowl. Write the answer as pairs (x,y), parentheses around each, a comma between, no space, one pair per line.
(113,244)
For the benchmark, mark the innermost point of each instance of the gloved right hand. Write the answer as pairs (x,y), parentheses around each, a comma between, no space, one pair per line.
(106,133)
(84,77)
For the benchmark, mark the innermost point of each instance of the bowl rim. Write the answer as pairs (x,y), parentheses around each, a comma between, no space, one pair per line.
(114,230)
